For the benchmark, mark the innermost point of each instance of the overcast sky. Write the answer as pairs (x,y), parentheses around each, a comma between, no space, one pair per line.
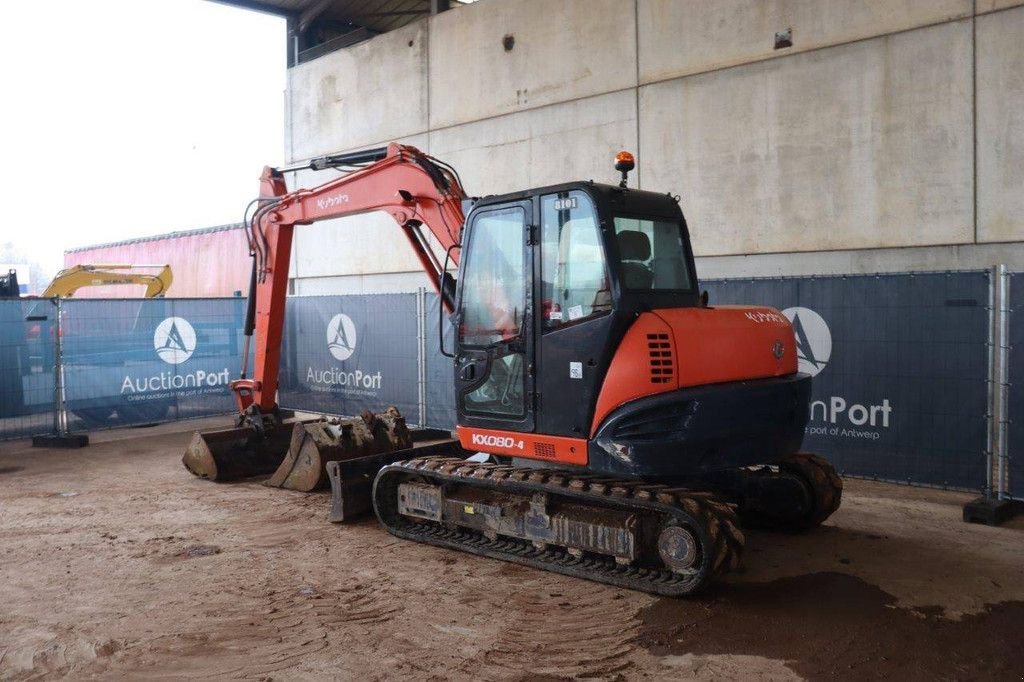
(125,118)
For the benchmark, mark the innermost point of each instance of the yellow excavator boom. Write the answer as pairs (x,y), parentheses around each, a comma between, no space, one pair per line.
(70,280)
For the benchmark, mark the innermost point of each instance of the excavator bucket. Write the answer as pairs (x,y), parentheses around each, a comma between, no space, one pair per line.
(313,444)
(232,454)
(295,453)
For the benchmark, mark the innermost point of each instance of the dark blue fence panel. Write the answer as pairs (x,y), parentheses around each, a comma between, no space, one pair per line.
(138,361)
(1016,398)
(440,369)
(26,367)
(346,354)
(900,365)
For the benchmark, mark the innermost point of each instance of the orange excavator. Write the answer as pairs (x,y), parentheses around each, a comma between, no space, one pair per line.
(612,425)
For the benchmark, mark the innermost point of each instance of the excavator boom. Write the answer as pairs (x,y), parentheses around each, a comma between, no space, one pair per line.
(70,280)
(411,187)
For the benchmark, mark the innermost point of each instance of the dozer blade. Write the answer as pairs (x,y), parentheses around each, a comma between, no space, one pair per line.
(352,479)
(314,444)
(236,453)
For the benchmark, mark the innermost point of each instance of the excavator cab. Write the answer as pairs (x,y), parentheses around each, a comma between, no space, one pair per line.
(549,280)
(583,340)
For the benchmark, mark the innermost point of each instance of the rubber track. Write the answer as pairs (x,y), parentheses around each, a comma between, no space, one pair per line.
(721,532)
(824,481)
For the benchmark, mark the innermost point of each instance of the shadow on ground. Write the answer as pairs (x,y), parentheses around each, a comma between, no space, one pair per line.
(830,624)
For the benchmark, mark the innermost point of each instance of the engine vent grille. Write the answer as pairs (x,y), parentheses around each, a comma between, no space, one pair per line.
(544,449)
(659,349)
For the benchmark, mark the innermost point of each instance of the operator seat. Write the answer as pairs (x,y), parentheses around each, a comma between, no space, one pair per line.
(634,252)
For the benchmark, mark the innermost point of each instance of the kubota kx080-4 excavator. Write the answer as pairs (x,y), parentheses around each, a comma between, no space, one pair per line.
(632,425)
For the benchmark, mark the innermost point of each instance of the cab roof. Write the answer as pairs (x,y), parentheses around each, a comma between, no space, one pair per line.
(613,197)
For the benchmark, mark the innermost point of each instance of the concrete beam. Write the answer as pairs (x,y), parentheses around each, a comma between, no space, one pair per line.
(679,38)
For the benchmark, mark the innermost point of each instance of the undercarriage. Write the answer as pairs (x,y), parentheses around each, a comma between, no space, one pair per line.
(665,539)
(665,536)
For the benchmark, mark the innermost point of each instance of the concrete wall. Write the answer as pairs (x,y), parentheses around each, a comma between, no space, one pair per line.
(564,50)
(806,154)
(373,91)
(1000,60)
(889,136)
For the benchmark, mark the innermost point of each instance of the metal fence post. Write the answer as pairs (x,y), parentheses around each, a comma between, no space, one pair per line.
(60,412)
(1003,383)
(990,417)
(421,354)
(994,506)
(60,437)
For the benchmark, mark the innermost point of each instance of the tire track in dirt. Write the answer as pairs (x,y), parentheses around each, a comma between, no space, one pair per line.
(268,629)
(585,634)
(308,618)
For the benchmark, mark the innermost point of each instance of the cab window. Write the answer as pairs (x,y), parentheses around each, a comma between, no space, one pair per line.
(574,277)
(494,291)
(652,255)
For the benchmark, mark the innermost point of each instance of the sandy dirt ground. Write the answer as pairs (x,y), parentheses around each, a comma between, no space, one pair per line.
(116,563)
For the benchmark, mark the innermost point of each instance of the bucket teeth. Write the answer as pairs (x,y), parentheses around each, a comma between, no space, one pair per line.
(312,445)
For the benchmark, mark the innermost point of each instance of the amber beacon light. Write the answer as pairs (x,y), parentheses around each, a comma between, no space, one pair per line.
(624,162)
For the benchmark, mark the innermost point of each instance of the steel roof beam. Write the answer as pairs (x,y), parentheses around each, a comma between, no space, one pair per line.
(257,6)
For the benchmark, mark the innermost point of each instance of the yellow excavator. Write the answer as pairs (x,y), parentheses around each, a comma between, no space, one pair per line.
(66,283)
(70,280)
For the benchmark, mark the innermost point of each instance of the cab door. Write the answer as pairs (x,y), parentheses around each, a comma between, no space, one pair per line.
(494,320)
(577,327)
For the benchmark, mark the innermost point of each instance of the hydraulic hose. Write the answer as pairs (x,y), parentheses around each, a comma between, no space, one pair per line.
(250,317)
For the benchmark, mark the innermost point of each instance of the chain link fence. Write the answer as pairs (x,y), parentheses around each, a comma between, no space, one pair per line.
(905,365)
(440,369)
(142,361)
(89,364)
(346,354)
(1014,305)
(900,365)
(27,362)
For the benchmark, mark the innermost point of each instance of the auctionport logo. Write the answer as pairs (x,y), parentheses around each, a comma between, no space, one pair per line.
(341,341)
(174,340)
(341,337)
(813,339)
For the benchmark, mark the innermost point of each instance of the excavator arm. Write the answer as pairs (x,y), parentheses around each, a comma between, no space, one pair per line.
(70,280)
(413,188)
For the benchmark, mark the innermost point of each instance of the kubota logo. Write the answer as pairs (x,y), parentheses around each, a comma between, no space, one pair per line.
(174,340)
(813,339)
(341,336)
